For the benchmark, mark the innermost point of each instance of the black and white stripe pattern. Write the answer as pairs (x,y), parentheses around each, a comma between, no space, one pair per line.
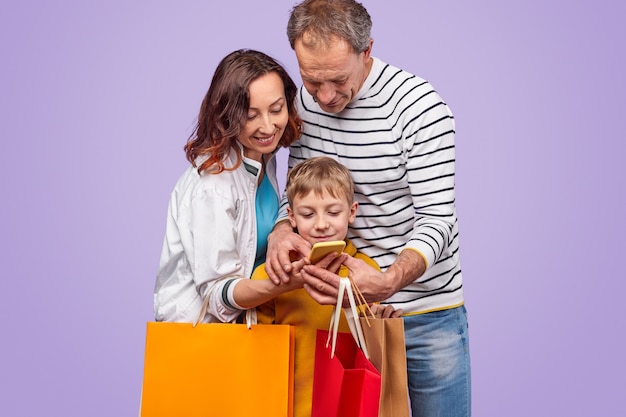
(397,139)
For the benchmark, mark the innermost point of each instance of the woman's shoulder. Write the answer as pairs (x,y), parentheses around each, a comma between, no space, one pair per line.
(192,184)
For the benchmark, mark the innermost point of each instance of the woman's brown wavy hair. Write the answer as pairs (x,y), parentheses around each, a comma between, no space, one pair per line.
(224,110)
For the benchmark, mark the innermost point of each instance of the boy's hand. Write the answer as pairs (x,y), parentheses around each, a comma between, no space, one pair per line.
(322,285)
(385,311)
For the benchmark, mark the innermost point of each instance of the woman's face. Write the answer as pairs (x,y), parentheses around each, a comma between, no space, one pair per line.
(267,116)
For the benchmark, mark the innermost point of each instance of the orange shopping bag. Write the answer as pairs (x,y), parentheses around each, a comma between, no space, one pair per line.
(218,369)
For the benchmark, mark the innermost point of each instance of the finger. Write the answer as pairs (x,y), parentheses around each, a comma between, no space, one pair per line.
(271,274)
(282,265)
(303,247)
(284,261)
(336,263)
(397,313)
(351,262)
(376,309)
(320,290)
(320,298)
(381,311)
(327,261)
(388,312)
(296,266)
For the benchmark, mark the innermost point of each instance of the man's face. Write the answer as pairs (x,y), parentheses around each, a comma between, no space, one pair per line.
(333,74)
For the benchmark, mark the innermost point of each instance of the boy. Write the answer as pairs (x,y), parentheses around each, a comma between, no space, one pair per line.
(320,192)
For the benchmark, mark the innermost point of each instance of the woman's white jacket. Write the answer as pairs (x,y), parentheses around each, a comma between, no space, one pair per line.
(210,238)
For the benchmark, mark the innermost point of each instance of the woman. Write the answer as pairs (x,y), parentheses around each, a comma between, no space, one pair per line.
(225,204)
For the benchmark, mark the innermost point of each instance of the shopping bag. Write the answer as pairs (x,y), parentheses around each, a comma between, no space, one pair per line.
(218,369)
(384,339)
(345,382)
(346,385)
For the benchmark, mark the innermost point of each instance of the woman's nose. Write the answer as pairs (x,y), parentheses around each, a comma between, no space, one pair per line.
(267,125)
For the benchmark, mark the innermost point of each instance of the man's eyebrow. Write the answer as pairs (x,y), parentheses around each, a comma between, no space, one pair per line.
(338,78)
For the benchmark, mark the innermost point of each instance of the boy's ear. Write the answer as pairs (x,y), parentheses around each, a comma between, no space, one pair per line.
(353,208)
(292,218)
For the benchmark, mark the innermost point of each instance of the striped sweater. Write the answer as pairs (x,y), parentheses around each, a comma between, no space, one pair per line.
(397,139)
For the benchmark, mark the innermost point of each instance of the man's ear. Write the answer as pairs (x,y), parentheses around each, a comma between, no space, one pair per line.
(368,52)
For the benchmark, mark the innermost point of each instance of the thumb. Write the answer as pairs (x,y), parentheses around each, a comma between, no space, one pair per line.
(351,262)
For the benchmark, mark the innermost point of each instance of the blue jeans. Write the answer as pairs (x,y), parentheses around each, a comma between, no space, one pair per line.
(438,363)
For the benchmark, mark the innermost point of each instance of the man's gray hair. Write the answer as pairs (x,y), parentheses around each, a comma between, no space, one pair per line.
(324,20)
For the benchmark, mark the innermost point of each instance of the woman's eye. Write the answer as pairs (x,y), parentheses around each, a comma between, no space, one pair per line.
(278,110)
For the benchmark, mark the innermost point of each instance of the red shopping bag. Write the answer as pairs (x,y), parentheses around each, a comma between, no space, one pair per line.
(345,382)
(346,385)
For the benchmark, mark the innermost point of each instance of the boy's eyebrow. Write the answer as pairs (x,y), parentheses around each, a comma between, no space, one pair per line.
(328,206)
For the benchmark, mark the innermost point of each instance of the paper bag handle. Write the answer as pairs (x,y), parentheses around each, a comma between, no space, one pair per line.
(251,317)
(352,317)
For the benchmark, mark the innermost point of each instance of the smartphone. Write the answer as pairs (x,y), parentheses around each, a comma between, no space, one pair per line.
(321,249)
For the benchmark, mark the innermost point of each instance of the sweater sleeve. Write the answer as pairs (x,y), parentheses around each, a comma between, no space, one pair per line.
(429,146)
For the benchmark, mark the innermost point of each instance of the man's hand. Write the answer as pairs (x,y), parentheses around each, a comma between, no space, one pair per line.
(322,285)
(280,243)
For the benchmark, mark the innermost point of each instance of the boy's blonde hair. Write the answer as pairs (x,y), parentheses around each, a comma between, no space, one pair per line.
(321,175)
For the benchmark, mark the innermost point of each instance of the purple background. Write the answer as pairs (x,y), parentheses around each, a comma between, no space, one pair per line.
(97,101)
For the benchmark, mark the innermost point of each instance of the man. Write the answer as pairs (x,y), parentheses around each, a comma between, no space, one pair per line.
(396,135)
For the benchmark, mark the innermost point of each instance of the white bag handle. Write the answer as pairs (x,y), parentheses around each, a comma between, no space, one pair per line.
(352,317)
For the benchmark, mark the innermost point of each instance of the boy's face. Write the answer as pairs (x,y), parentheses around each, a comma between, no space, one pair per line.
(321,219)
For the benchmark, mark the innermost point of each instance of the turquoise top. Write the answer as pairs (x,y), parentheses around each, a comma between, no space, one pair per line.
(267,205)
